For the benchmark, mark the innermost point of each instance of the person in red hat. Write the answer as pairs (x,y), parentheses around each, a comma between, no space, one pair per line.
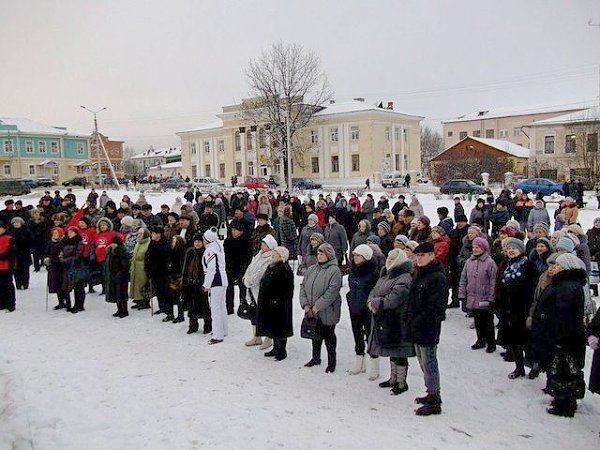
(73,269)
(7,256)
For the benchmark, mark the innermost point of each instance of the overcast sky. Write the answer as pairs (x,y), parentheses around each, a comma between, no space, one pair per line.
(163,66)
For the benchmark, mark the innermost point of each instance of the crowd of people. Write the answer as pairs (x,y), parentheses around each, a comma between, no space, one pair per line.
(525,282)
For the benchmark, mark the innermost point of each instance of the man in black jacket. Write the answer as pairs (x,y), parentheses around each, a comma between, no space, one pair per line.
(237,258)
(156,264)
(208,218)
(456,241)
(426,311)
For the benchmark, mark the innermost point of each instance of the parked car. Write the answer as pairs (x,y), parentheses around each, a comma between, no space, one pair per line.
(255,183)
(29,182)
(175,183)
(208,184)
(543,185)
(305,183)
(396,179)
(77,181)
(462,187)
(13,187)
(46,182)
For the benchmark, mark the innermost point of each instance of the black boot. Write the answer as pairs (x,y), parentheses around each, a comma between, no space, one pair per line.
(316,354)
(207,328)
(124,312)
(517,352)
(118,313)
(273,351)
(281,350)
(563,408)
(433,406)
(193,326)
(479,344)
(401,385)
(535,371)
(144,304)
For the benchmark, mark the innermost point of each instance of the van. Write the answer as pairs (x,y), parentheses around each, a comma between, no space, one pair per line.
(13,187)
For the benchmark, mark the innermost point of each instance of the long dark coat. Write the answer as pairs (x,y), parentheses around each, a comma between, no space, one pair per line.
(192,281)
(274,306)
(55,269)
(361,281)
(116,274)
(23,241)
(72,254)
(594,329)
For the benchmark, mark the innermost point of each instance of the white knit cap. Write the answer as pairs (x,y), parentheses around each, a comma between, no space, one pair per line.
(210,235)
(313,217)
(568,261)
(127,221)
(270,241)
(363,250)
(283,252)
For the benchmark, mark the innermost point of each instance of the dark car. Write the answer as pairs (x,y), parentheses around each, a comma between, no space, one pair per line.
(29,182)
(77,181)
(543,185)
(461,187)
(305,183)
(13,187)
(46,182)
(175,183)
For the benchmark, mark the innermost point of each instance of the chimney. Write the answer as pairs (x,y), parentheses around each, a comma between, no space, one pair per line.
(359,99)
(390,105)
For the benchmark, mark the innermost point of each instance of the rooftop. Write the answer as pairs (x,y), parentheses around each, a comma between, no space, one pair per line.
(503,146)
(27,126)
(171,165)
(160,152)
(586,115)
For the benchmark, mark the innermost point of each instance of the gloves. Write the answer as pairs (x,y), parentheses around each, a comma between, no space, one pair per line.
(593,342)
(46,261)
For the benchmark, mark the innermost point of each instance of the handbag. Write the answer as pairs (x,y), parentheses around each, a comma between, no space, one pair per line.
(301,270)
(79,274)
(566,378)
(247,311)
(310,328)
(594,273)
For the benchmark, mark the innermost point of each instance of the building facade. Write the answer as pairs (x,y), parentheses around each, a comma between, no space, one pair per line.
(567,146)
(344,143)
(502,123)
(153,159)
(31,150)
(114,149)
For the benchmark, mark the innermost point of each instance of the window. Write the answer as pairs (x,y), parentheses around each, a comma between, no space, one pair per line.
(221,145)
(477,133)
(29,146)
(333,132)
(462,135)
(549,144)
(314,136)
(405,135)
(250,168)
(193,148)
(570,146)
(517,131)
(222,170)
(354,134)
(41,146)
(194,171)
(315,164)
(387,133)
(503,134)
(396,162)
(31,169)
(8,146)
(54,146)
(450,133)
(405,163)
(277,168)
(7,171)
(238,169)
(489,134)
(238,142)
(592,142)
(264,170)
(355,163)
(206,145)
(249,140)
(207,170)
(262,138)
(335,164)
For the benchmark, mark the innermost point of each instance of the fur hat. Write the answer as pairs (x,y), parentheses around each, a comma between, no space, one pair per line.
(576,230)
(317,237)
(328,250)
(439,230)
(262,216)
(564,243)
(552,258)
(424,247)
(412,245)
(59,230)
(363,250)
(514,225)
(127,221)
(482,243)
(514,243)
(568,261)
(424,220)
(283,252)
(462,218)
(395,258)
(542,227)
(509,231)
(17,219)
(210,235)
(270,241)
(545,242)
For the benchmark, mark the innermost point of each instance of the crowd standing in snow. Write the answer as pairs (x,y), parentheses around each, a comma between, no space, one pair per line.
(505,263)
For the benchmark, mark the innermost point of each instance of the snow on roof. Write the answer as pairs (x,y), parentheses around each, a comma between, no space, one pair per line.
(505,146)
(586,115)
(33,127)
(354,106)
(519,111)
(207,126)
(160,152)
(171,165)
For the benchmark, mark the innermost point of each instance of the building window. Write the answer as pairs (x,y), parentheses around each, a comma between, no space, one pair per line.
(32,170)
(193,148)
(222,170)
(517,131)
(277,168)
(221,145)
(549,144)
(405,163)
(489,134)
(314,136)
(477,133)
(238,169)
(206,145)
(54,147)
(462,135)
(8,146)
(335,164)
(315,164)
(333,132)
(397,134)
(450,133)
(194,171)
(250,168)
(503,134)
(238,142)
(570,146)
(207,170)
(264,171)
(7,171)
(262,138)
(355,163)
(354,134)
(396,162)
(405,135)
(249,142)
(41,146)
(387,133)
(592,142)
(29,146)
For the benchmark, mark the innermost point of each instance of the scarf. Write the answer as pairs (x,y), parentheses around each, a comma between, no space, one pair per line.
(514,270)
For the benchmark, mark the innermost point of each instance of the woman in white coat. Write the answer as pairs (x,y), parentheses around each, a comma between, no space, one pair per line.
(215,283)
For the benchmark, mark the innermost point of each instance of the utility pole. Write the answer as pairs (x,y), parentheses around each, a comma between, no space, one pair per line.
(97,139)
(288,150)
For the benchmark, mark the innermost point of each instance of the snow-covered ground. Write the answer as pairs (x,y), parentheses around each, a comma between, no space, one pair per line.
(91,381)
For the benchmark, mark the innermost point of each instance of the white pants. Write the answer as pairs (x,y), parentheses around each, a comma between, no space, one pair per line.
(218,312)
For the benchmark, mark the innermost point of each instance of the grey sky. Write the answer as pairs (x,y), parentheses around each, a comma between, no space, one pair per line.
(163,66)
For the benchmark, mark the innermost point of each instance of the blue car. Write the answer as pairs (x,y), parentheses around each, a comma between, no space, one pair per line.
(543,185)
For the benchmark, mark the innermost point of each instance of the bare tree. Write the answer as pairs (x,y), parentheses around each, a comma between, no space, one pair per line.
(583,137)
(286,80)
(432,144)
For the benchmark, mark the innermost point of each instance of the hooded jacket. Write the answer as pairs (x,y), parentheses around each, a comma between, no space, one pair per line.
(478,282)
(321,287)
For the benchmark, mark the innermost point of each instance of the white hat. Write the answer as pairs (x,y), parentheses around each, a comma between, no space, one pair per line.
(270,241)
(283,252)
(127,221)
(210,235)
(568,261)
(363,250)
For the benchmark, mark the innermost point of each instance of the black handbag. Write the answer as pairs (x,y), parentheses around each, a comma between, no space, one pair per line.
(246,311)
(310,328)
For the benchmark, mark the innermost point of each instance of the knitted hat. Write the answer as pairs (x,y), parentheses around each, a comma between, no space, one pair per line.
(542,227)
(363,250)
(156,229)
(574,238)
(545,242)
(442,210)
(424,247)
(514,243)
(395,258)
(318,237)
(270,241)
(197,237)
(424,220)
(566,244)
(283,252)
(509,231)
(412,245)
(596,220)
(514,225)
(86,220)
(313,217)
(328,251)
(401,238)
(17,219)
(211,235)
(373,239)
(127,221)
(576,230)
(552,258)
(439,230)
(482,243)
(59,230)
(264,216)
(461,218)
(385,225)
(568,261)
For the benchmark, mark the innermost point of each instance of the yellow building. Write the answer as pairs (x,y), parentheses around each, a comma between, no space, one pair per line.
(345,143)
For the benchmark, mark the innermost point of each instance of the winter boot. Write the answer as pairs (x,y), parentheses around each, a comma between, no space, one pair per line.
(144,304)
(274,350)
(267,342)
(401,385)
(535,371)
(179,317)
(193,326)
(393,380)
(281,350)
(331,360)
(373,368)
(207,327)
(256,340)
(124,312)
(517,352)
(424,400)
(359,365)
(478,345)
(433,406)
(491,348)
(118,313)
(563,408)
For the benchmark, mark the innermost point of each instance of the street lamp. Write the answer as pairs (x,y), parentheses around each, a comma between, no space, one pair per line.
(97,140)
